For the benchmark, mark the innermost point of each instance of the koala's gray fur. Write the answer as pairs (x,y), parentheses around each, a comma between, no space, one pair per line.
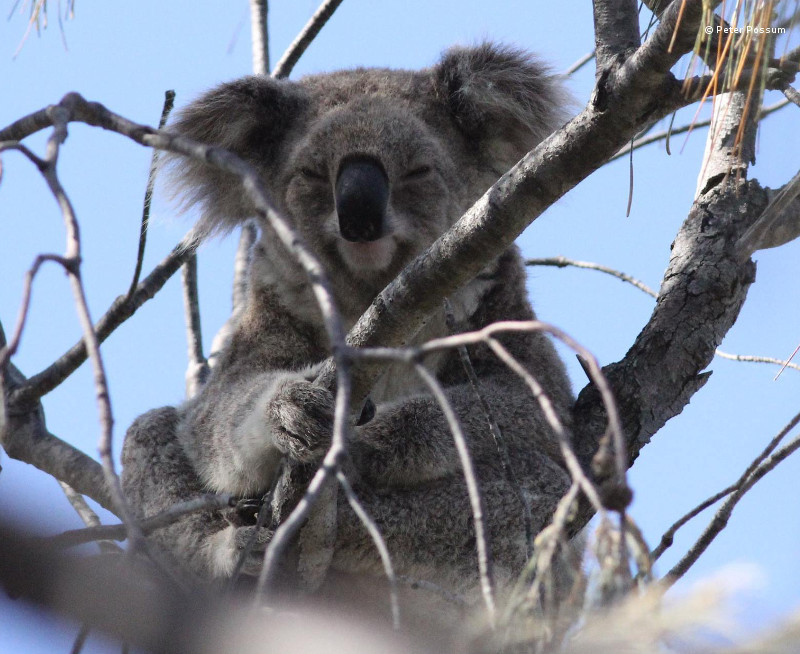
(438,138)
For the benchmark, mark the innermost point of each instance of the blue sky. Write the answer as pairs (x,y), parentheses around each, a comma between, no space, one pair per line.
(126,55)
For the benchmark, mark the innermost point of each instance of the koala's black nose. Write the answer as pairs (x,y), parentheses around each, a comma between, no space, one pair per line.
(362,192)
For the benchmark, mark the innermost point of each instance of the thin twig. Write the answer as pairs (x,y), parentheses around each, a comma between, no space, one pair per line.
(573,465)
(169,101)
(89,517)
(755,471)
(197,369)
(120,310)
(475,497)
(563,262)
(284,67)
(494,429)
(593,368)
(259,36)
(61,117)
(668,537)
(580,63)
(7,351)
(208,502)
(412,354)
(672,131)
(380,544)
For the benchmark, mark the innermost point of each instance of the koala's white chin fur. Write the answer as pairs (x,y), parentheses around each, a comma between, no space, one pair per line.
(368,257)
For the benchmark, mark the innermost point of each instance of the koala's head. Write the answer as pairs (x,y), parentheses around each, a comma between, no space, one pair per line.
(371,165)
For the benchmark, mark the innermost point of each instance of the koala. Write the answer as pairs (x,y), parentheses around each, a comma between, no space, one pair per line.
(370,166)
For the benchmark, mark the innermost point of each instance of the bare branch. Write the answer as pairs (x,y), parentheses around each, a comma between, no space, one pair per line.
(169,101)
(573,465)
(779,224)
(580,63)
(563,262)
(616,31)
(380,544)
(475,497)
(25,438)
(197,370)
(120,310)
(7,351)
(259,36)
(497,435)
(210,502)
(754,472)
(284,67)
(88,516)
(673,131)
(73,254)
(668,537)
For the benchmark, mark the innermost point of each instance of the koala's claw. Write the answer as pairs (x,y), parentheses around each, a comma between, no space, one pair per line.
(301,416)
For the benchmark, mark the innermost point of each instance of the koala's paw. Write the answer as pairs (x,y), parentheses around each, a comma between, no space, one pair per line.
(300,415)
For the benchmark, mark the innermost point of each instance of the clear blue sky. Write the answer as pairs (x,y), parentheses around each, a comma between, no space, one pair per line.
(126,55)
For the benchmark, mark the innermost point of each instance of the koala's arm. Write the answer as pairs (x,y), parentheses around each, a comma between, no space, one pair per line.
(240,426)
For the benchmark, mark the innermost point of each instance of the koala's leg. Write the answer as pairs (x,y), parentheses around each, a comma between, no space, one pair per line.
(410,442)
(156,474)
(430,533)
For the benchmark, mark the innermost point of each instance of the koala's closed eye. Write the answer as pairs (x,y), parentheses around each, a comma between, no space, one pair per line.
(313,175)
(417,174)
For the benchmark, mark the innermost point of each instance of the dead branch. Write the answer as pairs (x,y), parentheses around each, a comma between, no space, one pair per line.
(197,370)
(259,35)
(88,516)
(380,544)
(563,262)
(642,141)
(616,32)
(119,311)
(760,467)
(210,502)
(779,224)
(494,428)
(169,101)
(25,437)
(475,496)
(293,53)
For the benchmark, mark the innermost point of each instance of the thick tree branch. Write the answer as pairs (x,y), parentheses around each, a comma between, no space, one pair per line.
(779,224)
(616,31)
(24,437)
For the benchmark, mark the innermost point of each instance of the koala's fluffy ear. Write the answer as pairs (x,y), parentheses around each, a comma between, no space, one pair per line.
(250,117)
(500,97)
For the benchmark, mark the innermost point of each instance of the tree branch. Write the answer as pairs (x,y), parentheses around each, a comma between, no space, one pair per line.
(121,309)
(616,31)
(284,67)
(197,369)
